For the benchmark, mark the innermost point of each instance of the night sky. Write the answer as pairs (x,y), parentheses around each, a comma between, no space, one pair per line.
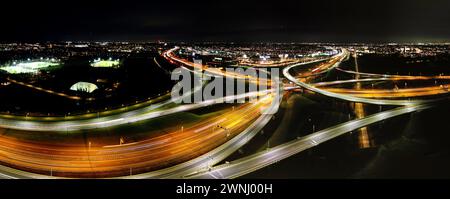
(240,21)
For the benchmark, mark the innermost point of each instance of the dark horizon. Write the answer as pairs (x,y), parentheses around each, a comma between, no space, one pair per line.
(333,21)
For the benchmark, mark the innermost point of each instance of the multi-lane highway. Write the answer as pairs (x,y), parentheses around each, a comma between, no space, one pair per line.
(259,160)
(118,160)
(84,160)
(141,114)
(341,56)
(193,150)
(265,158)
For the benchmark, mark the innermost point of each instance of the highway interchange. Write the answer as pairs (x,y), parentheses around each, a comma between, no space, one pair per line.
(195,151)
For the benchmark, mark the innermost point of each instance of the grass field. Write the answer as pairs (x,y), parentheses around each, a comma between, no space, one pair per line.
(28,67)
(105,63)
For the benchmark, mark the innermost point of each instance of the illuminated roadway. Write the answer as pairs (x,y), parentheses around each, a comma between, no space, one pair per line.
(178,170)
(254,162)
(259,160)
(392,93)
(112,120)
(394,76)
(342,56)
(264,158)
(117,159)
(80,123)
(72,97)
(270,156)
(67,157)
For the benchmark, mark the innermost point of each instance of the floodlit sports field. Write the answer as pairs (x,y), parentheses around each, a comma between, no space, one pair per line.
(27,67)
(105,63)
